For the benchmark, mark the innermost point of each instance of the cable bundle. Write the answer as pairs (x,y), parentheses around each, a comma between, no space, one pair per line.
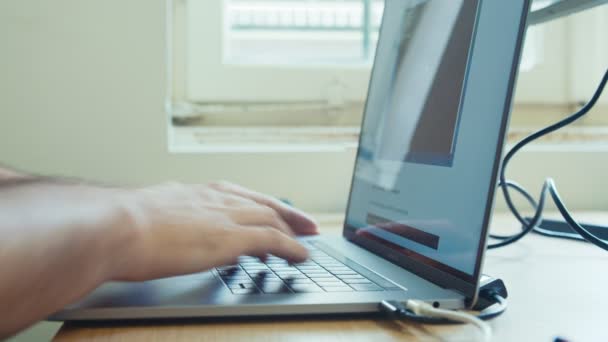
(548,186)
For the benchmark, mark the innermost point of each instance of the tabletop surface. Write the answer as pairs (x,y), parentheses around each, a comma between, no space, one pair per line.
(556,288)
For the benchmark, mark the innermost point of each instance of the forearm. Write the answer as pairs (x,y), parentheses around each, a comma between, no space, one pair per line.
(59,241)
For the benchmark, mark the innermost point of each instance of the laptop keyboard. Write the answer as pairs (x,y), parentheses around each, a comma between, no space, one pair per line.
(321,273)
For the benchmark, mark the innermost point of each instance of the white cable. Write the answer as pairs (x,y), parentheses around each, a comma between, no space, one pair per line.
(424,309)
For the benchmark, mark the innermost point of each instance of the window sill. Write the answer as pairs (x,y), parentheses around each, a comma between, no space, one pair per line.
(574,138)
(262,139)
(269,139)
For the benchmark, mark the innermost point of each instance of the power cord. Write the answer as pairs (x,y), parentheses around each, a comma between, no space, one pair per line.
(549,185)
(421,312)
(491,303)
(398,310)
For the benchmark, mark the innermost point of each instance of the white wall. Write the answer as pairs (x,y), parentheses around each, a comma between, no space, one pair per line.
(81,94)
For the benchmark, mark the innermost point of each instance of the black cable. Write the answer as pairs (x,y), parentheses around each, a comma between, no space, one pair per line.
(549,185)
(526,195)
(399,311)
(571,221)
(535,221)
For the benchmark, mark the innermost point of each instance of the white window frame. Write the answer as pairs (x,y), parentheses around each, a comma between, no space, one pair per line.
(589,53)
(327,83)
(568,59)
(545,80)
(346,83)
(571,62)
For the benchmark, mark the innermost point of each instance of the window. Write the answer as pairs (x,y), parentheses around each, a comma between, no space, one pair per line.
(307,62)
(233,48)
(569,59)
(295,33)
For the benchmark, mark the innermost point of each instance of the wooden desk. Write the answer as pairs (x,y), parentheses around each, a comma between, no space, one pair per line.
(557,288)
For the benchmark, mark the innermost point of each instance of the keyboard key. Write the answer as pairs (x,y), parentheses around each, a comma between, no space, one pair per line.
(314,270)
(242,286)
(281,266)
(357,281)
(345,272)
(244,259)
(306,263)
(285,269)
(292,276)
(350,276)
(256,272)
(266,278)
(228,272)
(252,261)
(252,264)
(338,289)
(301,281)
(317,274)
(294,271)
(244,291)
(287,273)
(334,264)
(234,274)
(256,269)
(310,268)
(338,269)
(300,288)
(274,287)
(366,287)
(330,283)
(324,278)
(277,263)
(259,273)
(235,279)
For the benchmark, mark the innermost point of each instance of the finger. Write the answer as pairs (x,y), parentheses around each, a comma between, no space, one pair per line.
(260,216)
(223,197)
(300,222)
(232,200)
(261,241)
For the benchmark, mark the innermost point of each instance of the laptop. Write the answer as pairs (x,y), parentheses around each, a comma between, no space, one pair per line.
(422,188)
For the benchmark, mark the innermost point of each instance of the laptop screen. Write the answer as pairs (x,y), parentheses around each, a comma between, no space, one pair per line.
(421,178)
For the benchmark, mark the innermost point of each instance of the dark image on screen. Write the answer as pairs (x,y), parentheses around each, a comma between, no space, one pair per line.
(423,108)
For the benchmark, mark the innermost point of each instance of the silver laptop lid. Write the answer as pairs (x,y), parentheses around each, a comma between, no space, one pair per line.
(433,133)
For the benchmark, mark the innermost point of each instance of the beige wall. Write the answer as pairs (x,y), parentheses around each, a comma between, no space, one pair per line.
(81,94)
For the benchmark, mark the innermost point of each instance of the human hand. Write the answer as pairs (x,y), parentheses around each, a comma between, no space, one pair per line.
(180,229)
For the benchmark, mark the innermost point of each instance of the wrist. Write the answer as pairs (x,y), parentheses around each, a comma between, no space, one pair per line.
(120,234)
